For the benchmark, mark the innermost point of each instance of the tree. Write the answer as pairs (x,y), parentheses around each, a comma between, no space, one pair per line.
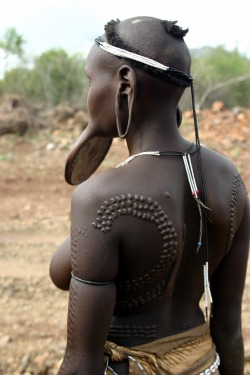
(22,81)
(61,76)
(221,75)
(12,43)
(54,77)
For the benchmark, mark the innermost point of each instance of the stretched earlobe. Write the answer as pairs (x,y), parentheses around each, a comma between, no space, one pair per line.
(119,111)
(125,100)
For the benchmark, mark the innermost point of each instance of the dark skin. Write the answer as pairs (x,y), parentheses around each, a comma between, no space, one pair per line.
(133,246)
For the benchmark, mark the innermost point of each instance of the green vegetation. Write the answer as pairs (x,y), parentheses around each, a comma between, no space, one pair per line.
(12,43)
(221,75)
(55,76)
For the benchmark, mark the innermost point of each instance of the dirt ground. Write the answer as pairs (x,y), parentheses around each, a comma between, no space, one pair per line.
(35,219)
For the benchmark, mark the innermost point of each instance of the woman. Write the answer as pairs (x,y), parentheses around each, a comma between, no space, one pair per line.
(150,238)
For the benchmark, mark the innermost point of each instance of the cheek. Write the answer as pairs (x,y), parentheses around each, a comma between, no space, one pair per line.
(101,109)
(95,99)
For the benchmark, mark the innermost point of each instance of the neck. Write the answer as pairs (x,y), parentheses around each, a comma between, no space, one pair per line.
(160,140)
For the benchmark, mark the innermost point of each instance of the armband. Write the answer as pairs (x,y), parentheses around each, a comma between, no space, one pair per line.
(89,282)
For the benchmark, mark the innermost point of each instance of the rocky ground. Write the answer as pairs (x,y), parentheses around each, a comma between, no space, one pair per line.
(35,219)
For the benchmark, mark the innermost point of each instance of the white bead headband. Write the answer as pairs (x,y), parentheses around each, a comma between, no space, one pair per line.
(143,59)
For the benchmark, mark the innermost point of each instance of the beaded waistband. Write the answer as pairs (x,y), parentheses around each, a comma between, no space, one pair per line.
(211,370)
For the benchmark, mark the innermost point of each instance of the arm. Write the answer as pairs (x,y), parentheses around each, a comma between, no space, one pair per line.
(95,258)
(227,290)
(60,265)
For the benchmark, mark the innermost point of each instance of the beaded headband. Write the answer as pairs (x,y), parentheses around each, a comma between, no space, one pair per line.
(142,59)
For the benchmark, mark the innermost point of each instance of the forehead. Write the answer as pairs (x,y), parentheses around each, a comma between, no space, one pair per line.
(99,60)
(93,60)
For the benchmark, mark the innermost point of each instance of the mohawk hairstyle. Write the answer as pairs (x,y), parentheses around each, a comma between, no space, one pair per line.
(171,28)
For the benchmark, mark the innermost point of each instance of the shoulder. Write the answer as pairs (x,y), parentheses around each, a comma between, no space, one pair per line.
(225,187)
(91,194)
(219,169)
(217,160)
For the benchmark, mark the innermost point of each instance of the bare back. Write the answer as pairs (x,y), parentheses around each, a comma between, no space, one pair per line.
(143,220)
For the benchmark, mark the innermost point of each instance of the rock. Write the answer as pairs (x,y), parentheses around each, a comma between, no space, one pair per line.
(217,106)
(17,122)
(4,340)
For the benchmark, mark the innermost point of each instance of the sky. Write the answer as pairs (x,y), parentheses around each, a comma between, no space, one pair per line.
(74,24)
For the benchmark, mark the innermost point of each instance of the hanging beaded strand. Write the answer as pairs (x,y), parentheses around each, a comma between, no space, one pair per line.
(201,207)
(194,190)
(207,291)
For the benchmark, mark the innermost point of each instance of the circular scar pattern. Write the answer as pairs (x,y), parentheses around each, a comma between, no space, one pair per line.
(149,210)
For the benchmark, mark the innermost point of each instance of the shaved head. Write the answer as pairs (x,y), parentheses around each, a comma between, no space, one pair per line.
(154,38)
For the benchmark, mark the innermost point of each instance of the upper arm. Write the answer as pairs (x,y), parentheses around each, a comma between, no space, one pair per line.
(94,257)
(228,282)
(227,287)
(89,318)
(94,252)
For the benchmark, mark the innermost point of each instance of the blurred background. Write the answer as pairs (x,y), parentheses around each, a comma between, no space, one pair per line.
(43,47)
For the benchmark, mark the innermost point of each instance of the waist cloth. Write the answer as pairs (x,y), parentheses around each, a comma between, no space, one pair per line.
(192,352)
